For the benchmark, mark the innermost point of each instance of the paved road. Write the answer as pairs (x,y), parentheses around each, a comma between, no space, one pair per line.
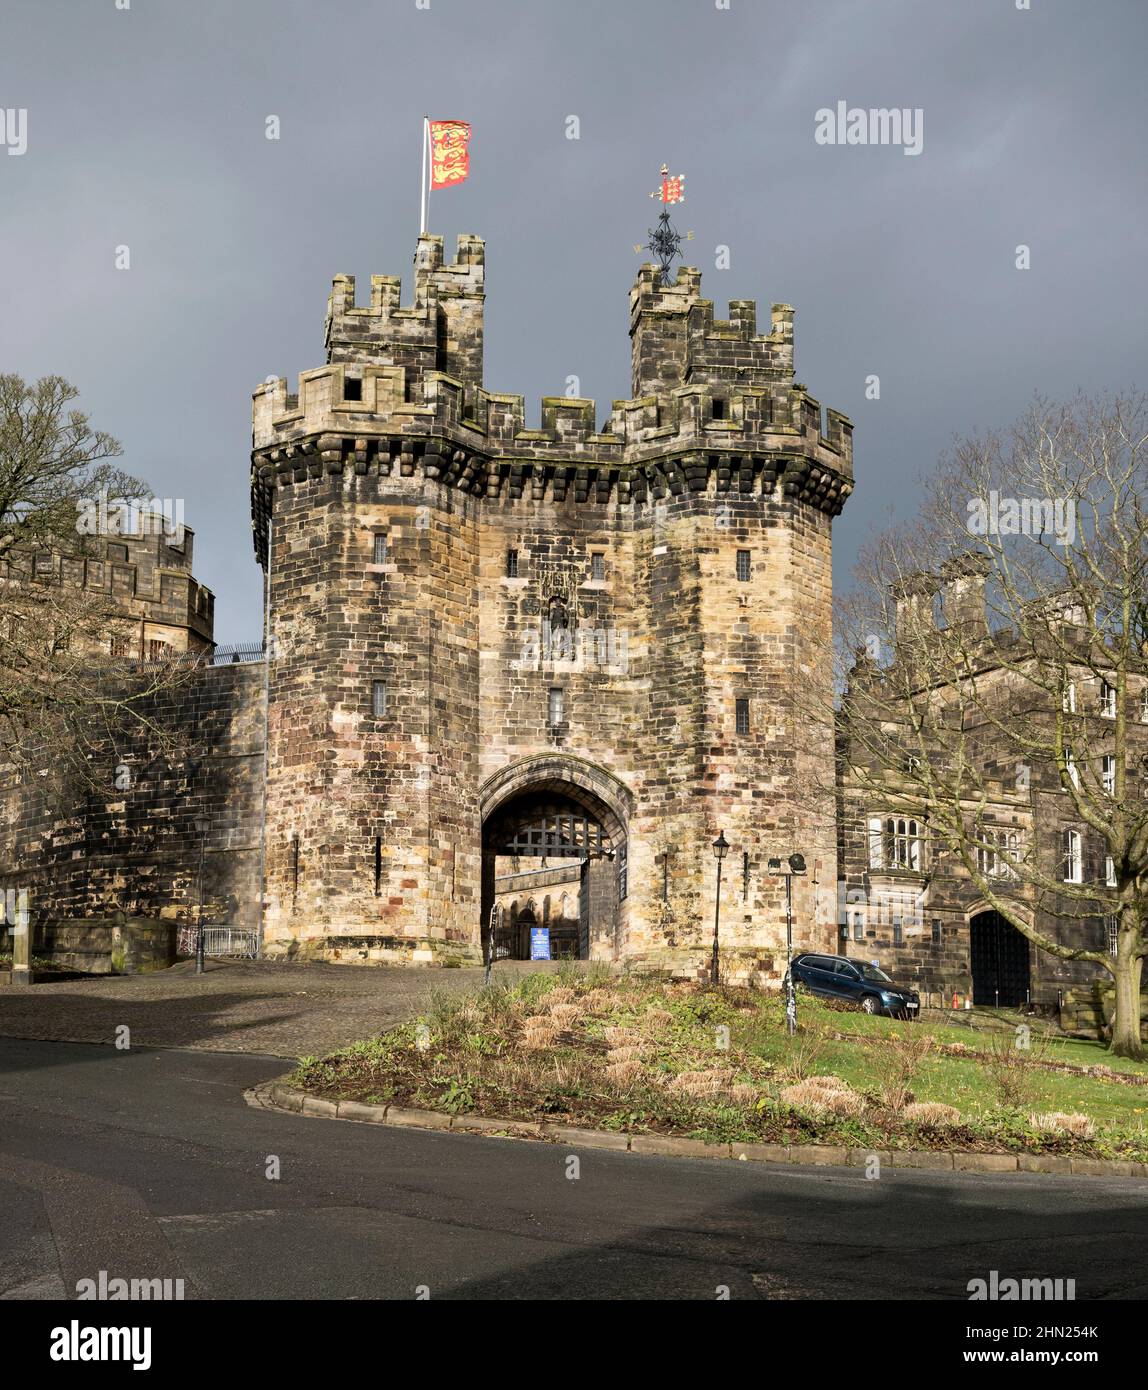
(149,1164)
(237,1006)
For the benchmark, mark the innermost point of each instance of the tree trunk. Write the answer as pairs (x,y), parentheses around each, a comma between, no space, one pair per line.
(1126,1020)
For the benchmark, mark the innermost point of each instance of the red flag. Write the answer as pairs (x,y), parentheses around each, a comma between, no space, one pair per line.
(673,189)
(450,158)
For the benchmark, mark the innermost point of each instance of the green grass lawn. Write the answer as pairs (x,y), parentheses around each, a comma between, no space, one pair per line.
(643,1054)
(966,1083)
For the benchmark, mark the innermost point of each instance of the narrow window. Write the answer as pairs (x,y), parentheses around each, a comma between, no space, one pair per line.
(898,932)
(1107,700)
(742,716)
(378,866)
(876,843)
(623,872)
(379,699)
(986,858)
(598,565)
(1071,770)
(743,565)
(1111,927)
(512,564)
(858,927)
(1072,862)
(1109,871)
(352,388)
(719,408)
(293,861)
(936,931)
(556,713)
(1068,699)
(380,548)
(1108,774)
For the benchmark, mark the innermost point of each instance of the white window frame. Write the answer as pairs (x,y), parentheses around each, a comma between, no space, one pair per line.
(903,842)
(556,706)
(1108,773)
(1068,698)
(1107,700)
(1073,857)
(1000,861)
(1109,871)
(876,843)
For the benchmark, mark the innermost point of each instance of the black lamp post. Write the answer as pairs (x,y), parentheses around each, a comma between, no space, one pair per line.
(202,827)
(796,863)
(721,849)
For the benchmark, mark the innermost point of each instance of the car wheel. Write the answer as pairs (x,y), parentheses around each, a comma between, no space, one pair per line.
(869,1005)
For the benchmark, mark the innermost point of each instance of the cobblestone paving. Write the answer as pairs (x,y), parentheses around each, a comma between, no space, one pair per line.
(236,1006)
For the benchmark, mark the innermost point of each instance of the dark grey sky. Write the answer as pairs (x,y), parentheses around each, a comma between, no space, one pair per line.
(146,128)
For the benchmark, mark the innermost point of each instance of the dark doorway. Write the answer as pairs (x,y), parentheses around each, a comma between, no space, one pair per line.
(541,843)
(998,959)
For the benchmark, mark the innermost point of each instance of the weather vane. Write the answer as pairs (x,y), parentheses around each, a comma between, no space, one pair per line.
(665,239)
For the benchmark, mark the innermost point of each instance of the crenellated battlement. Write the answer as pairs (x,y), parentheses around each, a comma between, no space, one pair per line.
(441,331)
(676,341)
(382,404)
(719,400)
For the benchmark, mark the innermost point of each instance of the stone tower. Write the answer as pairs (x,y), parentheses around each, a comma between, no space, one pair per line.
(493,645)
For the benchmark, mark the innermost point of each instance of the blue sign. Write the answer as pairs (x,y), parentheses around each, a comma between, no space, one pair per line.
(539,943)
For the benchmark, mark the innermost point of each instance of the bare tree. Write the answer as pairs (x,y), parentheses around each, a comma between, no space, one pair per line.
(55,691)
(1028,691)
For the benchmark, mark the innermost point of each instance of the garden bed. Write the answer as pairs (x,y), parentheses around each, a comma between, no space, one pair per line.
(649,1056)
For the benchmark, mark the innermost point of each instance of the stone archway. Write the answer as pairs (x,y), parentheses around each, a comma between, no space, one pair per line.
(556,824)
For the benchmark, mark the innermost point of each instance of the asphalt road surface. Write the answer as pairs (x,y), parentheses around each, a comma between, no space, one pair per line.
(149,1164)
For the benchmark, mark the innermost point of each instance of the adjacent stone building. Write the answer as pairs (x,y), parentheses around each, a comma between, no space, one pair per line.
(905,899)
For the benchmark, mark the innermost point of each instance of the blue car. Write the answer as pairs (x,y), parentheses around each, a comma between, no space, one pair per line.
(855,982)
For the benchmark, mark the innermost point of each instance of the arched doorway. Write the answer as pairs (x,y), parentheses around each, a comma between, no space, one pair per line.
(553,827)
(998,961)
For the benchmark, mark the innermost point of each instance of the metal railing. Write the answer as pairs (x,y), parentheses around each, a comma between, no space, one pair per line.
(241,653)
(236,942)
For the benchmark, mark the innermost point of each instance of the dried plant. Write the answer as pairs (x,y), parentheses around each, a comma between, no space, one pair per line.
(931,1112)
(1013,1070)
(897,1063)
(1057,1122)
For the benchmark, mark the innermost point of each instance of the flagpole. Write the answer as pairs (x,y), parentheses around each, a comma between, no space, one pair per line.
(423,199)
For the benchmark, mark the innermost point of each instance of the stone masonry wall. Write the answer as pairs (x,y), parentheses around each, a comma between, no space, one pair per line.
(128,842)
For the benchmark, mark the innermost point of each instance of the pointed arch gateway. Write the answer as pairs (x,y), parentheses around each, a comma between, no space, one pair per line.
(568,820)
